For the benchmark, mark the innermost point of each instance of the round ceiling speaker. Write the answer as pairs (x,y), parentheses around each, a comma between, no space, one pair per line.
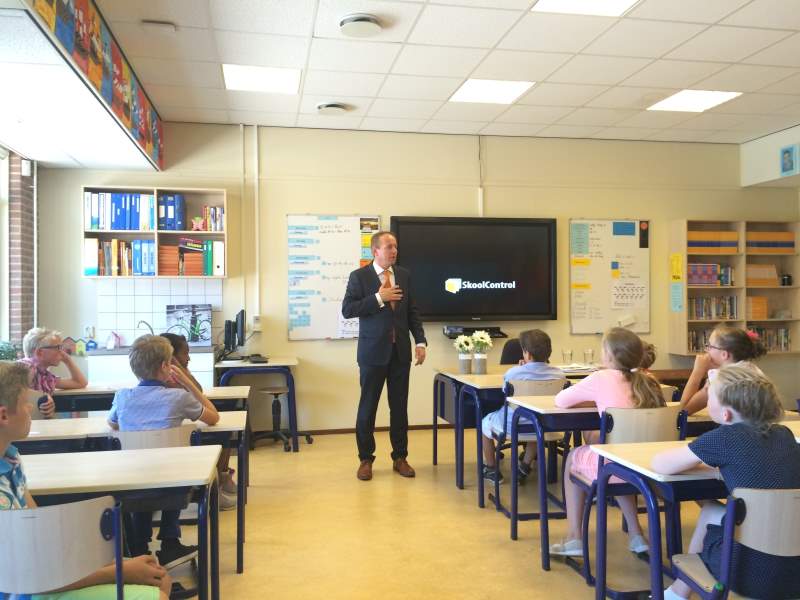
(332,108)
(360,25)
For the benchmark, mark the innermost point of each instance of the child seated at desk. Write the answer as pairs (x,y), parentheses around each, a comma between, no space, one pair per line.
(43,350)
(148,580)
(536,350)
(621,383)
(152,405)
(180,359)
(751,451)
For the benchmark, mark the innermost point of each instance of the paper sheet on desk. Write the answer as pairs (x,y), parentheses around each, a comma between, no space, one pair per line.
(576,367)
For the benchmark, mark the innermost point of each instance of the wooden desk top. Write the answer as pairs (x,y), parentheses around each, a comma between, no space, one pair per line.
(481,382)
(65,429)
(274,361)
(121,470)
(232,392)
(546,405)
(639,456)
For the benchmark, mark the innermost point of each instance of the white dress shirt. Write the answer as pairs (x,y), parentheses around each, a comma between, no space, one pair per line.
(379,270)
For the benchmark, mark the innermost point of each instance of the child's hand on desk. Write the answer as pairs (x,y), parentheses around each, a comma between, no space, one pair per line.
(143,570)
(48,409)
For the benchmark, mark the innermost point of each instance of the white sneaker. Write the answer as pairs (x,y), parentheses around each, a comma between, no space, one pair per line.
(568,548)
(638,544)
(226,501)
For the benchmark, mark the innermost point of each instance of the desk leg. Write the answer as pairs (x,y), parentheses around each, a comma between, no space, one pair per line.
(460,439)
(601,533)
(292,406)
(241,490)
(514,474)
(202,542)
(436,385)
(214,519)
(479,446)
(541,464)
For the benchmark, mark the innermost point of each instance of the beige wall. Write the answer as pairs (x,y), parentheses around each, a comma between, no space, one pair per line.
(317,171)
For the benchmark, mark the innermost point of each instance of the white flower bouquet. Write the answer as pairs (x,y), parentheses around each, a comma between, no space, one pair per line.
(481,341)
(463,344)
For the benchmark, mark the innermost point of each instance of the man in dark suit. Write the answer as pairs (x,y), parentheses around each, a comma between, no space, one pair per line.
(379,294)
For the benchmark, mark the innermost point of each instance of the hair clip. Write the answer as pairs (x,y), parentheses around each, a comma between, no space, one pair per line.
(752,335)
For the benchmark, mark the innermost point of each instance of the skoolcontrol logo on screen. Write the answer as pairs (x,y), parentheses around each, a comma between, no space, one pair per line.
(455,285)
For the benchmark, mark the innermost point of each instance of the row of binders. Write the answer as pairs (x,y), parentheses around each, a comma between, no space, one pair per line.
(192,258)
(118,211)
(172,215)
(111,258)
(709,274)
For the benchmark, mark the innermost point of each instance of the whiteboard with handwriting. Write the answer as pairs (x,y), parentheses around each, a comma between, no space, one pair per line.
(609,275)
(322,251)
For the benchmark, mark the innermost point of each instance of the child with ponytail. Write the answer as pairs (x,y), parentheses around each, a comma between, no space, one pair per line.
(620,384)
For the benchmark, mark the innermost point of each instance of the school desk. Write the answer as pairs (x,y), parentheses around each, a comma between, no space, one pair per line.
(96,397)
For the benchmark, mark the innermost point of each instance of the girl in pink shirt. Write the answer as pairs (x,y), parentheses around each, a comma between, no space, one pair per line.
(620,384)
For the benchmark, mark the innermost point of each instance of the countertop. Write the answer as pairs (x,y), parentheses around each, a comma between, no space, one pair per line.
(123,351)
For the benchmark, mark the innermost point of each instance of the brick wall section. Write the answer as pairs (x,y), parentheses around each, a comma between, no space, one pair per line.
(21,246)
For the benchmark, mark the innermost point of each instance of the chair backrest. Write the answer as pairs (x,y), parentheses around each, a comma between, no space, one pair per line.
(772,521)
(628,425)
(173,437)
(36,543)
(512,352)
(544,387)
(669,392)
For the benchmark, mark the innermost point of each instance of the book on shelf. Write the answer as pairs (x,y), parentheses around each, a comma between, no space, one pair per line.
(190,244)
(720,308)
(775,339)
(770,242)
(114,211)
(91,248)
(709,274)
(757,308)
(218,257)
(699,339)
(761,275)
(712,242)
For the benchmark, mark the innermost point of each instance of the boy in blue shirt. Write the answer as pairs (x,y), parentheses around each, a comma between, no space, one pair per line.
(153,405)
(536,350)
(149,580)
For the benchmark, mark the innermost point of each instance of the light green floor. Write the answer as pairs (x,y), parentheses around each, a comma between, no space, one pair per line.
(314,530)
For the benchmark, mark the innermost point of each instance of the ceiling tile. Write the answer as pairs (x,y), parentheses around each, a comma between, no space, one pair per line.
(715,121)
(785,53)
(729,137)
(568,131)
(456,26)
(630,97)
(358,106)
(21,42)
(655,119)
(678,74)
(519,66)
(432,60)
(755,104)
(792,109)
(254,117)
(184,13)
(692,11)
(520,4)
(174,72)
(469,111)
(404,109)
(343,84)
(561,94)
(729,44)
(193,115)
(790,85)
(194,97)
(631,37)
(280,103)
(596,116)
(387,124)
(512,129)
(680,135)
(778,14)
(744,78)
(396,18)
(261,49)
(455,127)
(328,122)
(534,114)
(555,33)
(419,88)
(287,17)
(186,44)
(598,69)
(768,123)
(340,55)
(624,133)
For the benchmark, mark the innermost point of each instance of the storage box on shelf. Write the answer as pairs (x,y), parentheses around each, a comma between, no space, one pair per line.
(140,232)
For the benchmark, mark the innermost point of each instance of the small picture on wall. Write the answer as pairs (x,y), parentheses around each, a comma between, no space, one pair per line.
(788,159)
(192,321)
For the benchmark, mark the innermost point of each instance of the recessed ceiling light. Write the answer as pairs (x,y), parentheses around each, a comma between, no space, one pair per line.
(261,79)
(332,108)
(490,91)
(602,8)
(694,100)
(360,25)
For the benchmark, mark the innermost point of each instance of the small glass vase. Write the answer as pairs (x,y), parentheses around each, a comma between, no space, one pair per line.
(479,364)
(465,364)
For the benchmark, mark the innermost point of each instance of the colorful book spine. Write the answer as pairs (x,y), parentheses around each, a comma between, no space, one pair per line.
(712,242)
(90,256)
(770,242)
(180,212)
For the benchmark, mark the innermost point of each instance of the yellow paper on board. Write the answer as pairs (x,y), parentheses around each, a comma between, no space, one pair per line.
(676,267)
(581,262)
(365,239)
(581,286)
(615,273)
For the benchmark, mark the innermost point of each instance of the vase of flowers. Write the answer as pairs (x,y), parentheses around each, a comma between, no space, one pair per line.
(481,342)
(464,346)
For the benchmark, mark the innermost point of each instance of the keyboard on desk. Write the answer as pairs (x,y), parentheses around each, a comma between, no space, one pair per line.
(258,359)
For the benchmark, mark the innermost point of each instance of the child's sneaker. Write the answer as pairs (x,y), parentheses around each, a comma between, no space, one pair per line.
(638,544)
(568,548)
(492,474)
(523,470)
(226,482)
(173,553)
(226,501)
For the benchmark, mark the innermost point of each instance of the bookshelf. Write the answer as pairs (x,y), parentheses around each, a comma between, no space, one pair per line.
(747,259)
(125,227)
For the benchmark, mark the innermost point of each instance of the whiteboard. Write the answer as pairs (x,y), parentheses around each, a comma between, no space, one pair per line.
(322,251)
(609,275)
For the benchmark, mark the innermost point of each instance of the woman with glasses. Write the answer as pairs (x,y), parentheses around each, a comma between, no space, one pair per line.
(43,350)
(726,346)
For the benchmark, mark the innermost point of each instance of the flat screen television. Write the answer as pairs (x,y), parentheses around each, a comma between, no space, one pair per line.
(479,269)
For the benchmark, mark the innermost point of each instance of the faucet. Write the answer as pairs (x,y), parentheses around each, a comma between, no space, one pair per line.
(150,327)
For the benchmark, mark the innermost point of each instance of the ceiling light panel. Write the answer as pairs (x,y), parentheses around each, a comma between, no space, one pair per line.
(271,80)
(491,91)
(600,8)
(694,100)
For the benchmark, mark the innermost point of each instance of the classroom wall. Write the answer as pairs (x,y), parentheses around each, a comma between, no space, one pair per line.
(319,171)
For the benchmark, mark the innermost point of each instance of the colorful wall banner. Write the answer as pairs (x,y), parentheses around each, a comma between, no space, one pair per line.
(84,36)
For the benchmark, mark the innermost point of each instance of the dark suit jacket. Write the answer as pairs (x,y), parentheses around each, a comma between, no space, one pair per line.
(375,323)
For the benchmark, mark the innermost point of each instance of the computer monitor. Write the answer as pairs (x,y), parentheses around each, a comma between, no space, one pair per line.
(230,336)
(240,321)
